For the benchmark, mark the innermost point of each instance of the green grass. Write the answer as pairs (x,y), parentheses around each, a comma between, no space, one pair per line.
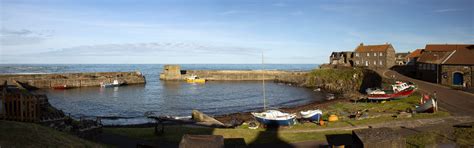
(442,134)
(20,134)
(174,134)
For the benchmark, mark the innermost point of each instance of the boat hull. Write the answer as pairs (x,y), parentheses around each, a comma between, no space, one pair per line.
(196,80)
(429,106)
(404,93)
(274,122)
(312,115)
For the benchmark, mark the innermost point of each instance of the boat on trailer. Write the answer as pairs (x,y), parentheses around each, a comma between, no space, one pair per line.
(311,115)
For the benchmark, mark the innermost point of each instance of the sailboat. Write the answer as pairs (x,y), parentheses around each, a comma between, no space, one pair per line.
(272,117)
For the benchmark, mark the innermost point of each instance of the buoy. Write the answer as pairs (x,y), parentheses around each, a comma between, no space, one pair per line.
(333,118)
(321,122)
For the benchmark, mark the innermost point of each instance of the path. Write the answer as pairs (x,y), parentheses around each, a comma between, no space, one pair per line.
(455,101)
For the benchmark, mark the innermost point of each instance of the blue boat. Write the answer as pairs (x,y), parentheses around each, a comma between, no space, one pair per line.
(312,115)
(275,118)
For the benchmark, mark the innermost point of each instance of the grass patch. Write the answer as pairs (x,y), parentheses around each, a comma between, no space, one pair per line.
(20,134)
(463,137)
(174,134)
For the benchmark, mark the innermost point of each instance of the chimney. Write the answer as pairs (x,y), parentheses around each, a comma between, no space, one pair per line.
(386,43)
(361,44)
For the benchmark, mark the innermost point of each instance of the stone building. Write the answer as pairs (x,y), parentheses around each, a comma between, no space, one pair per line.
(447,64)
(342,58)
(374,56)
(401,58)
(413,56)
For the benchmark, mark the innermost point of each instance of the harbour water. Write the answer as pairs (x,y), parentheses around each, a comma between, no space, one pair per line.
(127,104)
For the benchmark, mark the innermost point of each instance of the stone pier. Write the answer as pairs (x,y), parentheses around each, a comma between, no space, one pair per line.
(72,79)
(174,72)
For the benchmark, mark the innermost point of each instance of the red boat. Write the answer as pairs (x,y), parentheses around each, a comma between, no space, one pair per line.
(399,90)
(62,87)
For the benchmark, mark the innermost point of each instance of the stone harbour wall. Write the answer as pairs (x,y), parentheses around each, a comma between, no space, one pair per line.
(73,79)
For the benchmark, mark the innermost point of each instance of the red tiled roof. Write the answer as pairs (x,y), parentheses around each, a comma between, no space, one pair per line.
(415,53)
(461,56)
(434,57)
(446,47)
(369,48)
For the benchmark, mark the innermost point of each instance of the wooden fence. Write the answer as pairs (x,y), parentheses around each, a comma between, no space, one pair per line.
(21,107)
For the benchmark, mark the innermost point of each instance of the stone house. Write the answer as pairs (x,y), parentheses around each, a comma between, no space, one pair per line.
(341,58)
(374,56)
(413,56)
(401,58)
(447,64)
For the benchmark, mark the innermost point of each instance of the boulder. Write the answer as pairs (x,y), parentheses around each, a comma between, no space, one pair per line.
(205,119)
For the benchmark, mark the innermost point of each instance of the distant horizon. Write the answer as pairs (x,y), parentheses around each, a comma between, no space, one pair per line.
(215,31)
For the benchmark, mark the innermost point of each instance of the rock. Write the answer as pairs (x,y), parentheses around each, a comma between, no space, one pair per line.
(404,115)
(207,120)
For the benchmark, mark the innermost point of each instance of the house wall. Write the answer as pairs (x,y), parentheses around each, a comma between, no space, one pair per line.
(447,72)
(370,57)
(390,57)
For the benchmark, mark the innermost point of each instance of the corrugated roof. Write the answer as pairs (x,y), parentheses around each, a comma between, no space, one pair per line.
(370,48)
(415,53)
(446,47)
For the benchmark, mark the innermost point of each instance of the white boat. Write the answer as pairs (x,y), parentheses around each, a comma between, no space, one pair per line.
(312,115)
(275,118)
(114,84)
(427,105)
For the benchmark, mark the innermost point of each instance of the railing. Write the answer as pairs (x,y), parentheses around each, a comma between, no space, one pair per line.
(21,107)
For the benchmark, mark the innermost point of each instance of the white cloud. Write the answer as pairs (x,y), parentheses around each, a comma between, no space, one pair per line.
(22,37)
(447,10)
(147,49)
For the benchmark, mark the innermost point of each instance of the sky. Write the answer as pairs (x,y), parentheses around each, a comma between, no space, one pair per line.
(221,31)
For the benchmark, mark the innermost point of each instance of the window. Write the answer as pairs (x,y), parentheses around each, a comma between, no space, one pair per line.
(375,62)
(357,62)
(420,66)
(368,54)
(357,54)
(432,66)
(375,54)
(381,54)
(380,62)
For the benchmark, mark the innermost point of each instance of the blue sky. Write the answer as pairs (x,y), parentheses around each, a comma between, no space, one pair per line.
(221,31)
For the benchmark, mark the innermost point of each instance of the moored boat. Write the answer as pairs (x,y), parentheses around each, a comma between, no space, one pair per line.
(195,79)
(62,87)
(275,118)
(113,84)
(427,104)
(312,115)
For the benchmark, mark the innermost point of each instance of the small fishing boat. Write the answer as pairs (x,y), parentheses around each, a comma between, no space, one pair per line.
(312,115)
(427,105)
(398,90)
(195,79)
(62,87)
(275,118)
(114,84)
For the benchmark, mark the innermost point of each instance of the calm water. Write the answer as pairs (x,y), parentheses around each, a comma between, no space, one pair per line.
(175,98)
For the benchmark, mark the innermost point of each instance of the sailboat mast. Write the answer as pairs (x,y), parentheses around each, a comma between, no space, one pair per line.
(263,86)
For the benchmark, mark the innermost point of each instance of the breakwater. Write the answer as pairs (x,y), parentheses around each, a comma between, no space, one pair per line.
(72,79)
(174,72)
